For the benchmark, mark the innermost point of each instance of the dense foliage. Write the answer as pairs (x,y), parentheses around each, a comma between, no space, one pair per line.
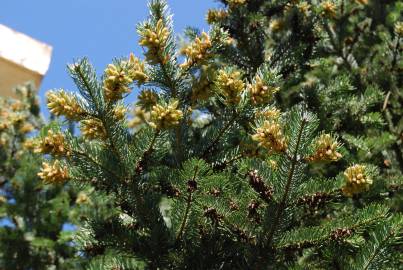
(341,58)
(271,142)
(32,214)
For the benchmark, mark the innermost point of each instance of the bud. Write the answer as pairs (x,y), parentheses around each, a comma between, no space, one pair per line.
(29,144)
(399,29)
(136,70)
(328,9)
(216,15)
(326,149)
(235,3)
(230,86)
(93,129)
(340,233)
(119,112)
(269,114)
(276,25)
(26,128)
(212,214)
(305,8)
(164,117)
(3,200)
(273,164)
(53,173)
(356,180)
(155,40)
(253,213)
(116,82)
(197,51)
(261,93)
(313,201)
(270,136)
(82,198)
(192,185)
(62,103)
(233,206)
(18,119)
(256,182)
(53,143)
(17,106)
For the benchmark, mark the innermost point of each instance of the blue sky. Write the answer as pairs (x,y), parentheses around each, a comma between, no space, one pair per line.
(98,29)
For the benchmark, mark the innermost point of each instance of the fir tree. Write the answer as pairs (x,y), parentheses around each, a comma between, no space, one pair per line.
(348,73)
(349,76)
(32,213)
(209,173)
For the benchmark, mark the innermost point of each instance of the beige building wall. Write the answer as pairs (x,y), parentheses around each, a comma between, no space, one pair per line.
(22,59)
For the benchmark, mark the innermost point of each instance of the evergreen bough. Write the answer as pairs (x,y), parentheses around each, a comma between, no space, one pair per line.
(208,173)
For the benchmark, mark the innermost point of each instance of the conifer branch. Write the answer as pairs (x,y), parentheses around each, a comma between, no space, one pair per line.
(341,227)
(171,84)
(378,250)
(148,151)
(337,47)
(150,147)
(382,240)
(88,157)
(111,140)
(228,162)
(188,205)
(396,146)
(240,234)
(220,134)
(283,201)
(174,93)
(79,72)
(201,166)
(99,111)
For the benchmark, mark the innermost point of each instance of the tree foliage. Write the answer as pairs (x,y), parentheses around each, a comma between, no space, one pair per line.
(33,214)
(271,142)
